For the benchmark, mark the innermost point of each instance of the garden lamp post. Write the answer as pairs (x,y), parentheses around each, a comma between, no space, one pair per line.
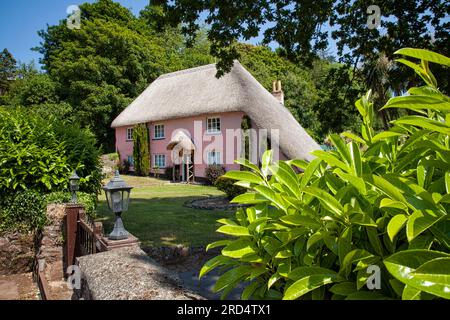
(74,180)
(117,196)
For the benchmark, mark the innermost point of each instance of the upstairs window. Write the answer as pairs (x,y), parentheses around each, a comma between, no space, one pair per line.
(213,125)
(129,134)
(159,131)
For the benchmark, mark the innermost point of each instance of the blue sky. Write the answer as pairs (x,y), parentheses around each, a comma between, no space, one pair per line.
(20,21)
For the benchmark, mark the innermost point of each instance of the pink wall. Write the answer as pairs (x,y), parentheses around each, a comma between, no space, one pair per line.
(196,127)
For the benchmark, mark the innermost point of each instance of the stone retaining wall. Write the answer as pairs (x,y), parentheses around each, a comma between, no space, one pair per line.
(17,251)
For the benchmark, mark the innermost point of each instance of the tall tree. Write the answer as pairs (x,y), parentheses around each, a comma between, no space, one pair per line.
(300,26)
(102,66)
(8,67)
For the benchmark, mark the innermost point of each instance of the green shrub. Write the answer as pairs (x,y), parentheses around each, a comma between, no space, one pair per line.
(82,155)
(40,154)
(227,185)
(213,172)
(23,211)
(88,200)
(380,201)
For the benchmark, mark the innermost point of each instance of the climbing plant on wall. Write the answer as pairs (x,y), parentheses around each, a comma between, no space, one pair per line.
(141,150)
(245,126)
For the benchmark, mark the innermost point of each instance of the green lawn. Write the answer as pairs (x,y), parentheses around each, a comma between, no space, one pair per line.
(157,216)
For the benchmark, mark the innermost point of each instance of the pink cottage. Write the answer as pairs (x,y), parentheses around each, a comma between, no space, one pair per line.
(195,120)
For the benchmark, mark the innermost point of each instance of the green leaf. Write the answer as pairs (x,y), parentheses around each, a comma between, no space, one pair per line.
(434,277)
(244,176)
(232,276)
(274,278)
(420,221)
(331,160)
(341,147)
(309,172)
(213,263)
(353,257)
(326,199)
(389,203)
(265,161)
(284,174)
(411,293)
(396,224)
(237,231)
(355,157)
(354,137)
(385,135)
(362,219)
(313,239)
(417,103)
(246,163)
(249,198)
(269,194)
(300,220)
(344,288)
(357,182)
(403,264)
(315,279)
(344,244)
(424,54)
(249,290)
(216,244)
(425,123)
(238,249)
(447,182)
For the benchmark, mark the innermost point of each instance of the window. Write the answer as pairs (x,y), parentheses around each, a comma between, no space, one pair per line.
(213,157)
(129,134)
(159,131)
(213,125)
(130,160)
(160,161)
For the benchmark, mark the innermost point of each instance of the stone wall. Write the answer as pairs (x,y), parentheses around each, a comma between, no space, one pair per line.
(17,251)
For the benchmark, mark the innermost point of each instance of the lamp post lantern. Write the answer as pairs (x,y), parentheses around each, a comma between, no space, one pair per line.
(74,180)
(117,196)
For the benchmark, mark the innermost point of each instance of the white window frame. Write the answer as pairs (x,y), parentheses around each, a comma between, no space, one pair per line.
(129,133)
(155,162)
(213,158)
(163,131)
(130,160)
(217,121)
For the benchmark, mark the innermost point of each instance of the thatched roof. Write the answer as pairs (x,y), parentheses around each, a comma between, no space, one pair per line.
(197,91)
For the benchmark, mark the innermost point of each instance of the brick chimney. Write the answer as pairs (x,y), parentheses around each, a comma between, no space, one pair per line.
(277,92)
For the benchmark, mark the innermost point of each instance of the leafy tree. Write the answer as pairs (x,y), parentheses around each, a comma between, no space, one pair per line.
(101,67)
(7,70)
(301,28)
(333,109)
(33,89)
(375,206)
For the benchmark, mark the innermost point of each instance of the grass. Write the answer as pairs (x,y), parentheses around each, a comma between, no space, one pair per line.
(156,214)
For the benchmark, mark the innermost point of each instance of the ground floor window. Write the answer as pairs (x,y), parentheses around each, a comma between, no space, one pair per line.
(213,157)
(159,161)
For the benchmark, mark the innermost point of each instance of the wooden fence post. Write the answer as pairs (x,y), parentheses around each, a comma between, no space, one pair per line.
(72,215)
